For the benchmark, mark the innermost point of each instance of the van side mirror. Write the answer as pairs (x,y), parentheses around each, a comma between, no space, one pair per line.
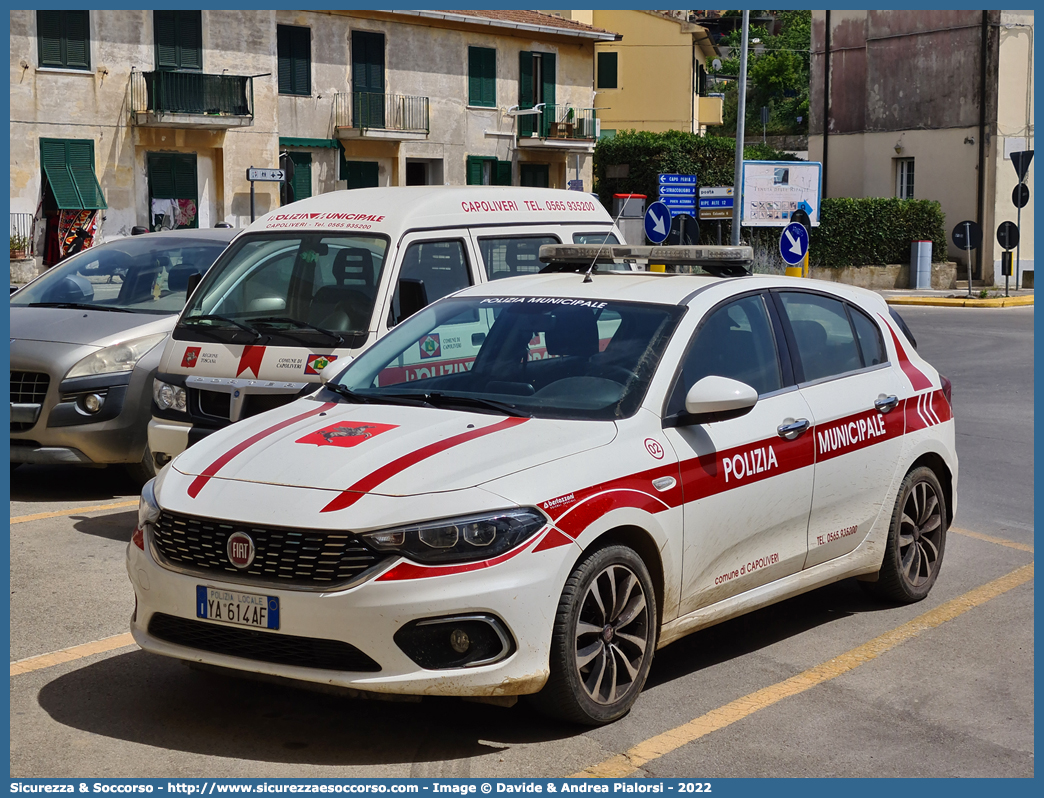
(412,297)
(190,285)
(718,399)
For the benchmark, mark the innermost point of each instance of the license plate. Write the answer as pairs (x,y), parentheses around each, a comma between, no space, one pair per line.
(231,606)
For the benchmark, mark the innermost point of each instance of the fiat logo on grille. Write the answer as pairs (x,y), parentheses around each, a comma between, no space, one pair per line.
(240,549)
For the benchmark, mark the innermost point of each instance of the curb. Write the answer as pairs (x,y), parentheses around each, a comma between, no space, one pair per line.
(947,302)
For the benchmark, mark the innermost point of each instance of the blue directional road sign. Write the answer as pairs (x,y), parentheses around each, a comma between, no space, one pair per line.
(678,192)
(793,244)
(657,222)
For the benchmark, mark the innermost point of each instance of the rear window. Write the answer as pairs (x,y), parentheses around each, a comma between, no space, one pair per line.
(507,257)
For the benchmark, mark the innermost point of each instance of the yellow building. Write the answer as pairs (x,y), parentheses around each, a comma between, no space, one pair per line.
(654,78)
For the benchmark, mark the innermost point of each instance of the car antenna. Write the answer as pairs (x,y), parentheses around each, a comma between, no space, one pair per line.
(616,223)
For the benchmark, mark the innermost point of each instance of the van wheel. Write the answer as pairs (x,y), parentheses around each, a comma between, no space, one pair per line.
(916,540)
(603,639)
(144,471)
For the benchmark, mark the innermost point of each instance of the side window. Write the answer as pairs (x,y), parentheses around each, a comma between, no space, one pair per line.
(506,257)
(430,270)
(825,342)
(595,238)
(735,341)
(869,336)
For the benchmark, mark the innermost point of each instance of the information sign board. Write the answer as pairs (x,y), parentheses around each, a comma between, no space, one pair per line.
(716,202)
(774,190)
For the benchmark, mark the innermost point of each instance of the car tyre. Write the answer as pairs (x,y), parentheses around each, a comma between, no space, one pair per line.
(603,639)
(916,540)
(145,470)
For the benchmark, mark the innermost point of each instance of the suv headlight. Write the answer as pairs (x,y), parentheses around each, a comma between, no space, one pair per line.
(115,358)
(169,397)
(475,537)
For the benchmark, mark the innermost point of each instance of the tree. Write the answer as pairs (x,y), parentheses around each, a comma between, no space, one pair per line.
(777,75)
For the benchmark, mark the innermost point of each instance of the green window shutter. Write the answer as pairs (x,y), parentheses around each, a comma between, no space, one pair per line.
(64,39)
(607,70)
(179,39)
(172,175)
(294,47)
(185,180)
(361,174)
(81,166)
(482,77)
(474,170)
(55,162)
(548,60)
(502,176)
(166,39)
(302,181)
(525,79)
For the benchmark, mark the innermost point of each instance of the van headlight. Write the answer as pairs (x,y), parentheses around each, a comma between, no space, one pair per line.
(474,537)
(116,358)
(169,397)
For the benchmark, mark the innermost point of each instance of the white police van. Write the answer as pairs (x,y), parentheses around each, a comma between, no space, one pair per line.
(321,279)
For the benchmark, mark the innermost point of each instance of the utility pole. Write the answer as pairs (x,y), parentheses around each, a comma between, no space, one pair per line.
(741,112)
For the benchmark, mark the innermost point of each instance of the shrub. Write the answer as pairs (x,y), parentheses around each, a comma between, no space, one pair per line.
(875,231)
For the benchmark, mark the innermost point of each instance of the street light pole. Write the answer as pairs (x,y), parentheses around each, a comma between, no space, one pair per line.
(741,113)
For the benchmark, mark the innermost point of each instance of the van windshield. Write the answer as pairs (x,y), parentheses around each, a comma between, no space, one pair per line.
(545,357)
(318,285)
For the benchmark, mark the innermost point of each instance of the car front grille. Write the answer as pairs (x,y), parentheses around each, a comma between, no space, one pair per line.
(212,404)
(301,558)
(305,652)
(28,387)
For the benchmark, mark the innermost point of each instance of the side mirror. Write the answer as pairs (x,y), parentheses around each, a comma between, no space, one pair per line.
(138,230)
(334,368)
(412,297)
(718,399)
(190,285)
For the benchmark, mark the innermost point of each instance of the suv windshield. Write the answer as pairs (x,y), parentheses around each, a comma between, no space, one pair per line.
(546,357)
(143,274)
(318,286)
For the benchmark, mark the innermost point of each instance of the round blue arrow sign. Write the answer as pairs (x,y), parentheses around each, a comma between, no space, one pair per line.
(657,222)
(793,244)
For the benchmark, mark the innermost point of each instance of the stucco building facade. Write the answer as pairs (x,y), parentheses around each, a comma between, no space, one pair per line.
(152,118)
(927,105)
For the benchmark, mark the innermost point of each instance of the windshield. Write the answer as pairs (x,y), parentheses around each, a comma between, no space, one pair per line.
(546,357)
(319,285)
(142,274)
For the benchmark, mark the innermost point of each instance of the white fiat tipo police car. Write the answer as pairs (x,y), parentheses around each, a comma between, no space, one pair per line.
(531,485)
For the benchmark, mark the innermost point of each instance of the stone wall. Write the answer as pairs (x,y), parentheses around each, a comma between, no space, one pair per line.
(944,276)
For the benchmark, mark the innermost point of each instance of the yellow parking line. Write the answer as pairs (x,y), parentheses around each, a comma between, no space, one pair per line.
(70,654)
(1011,544)
(21,519)
(627,763)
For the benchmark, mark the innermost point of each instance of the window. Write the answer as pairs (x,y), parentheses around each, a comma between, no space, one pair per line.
(439,267)
(64,39)
(173,190)
(68,166)
(179,39)
(482,77)
(734,341)
(360,174)
(536,175)
(825,342)
(536,85)
(607,78)
(869,335)
(294,47)
(904,178)
(506,257)
(595,238)
(486,171)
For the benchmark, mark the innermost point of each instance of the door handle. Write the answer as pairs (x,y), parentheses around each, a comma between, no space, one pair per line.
(886,404)
(793,429)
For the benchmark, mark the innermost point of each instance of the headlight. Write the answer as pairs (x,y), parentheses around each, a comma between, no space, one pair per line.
(476,537)
(168,397)
(148,510)
(115,358)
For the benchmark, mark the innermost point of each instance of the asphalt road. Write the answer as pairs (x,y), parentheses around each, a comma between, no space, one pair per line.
(940,688)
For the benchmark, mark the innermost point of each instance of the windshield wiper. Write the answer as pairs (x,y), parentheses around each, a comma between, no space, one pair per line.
(374,399)
(473,402)
(194,320)
(78,306)
(268,321)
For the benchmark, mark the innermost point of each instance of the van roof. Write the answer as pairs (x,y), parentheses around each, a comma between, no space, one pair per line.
(395,210)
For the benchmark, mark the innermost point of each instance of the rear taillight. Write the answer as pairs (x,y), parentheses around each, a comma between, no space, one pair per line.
(138,538)
(947,389)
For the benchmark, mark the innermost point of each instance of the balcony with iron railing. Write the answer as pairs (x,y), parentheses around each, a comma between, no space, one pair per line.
(364,114)
(557,127)
(191,99)
(23,233)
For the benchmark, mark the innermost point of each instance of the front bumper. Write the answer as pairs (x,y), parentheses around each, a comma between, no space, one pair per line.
(522,593)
